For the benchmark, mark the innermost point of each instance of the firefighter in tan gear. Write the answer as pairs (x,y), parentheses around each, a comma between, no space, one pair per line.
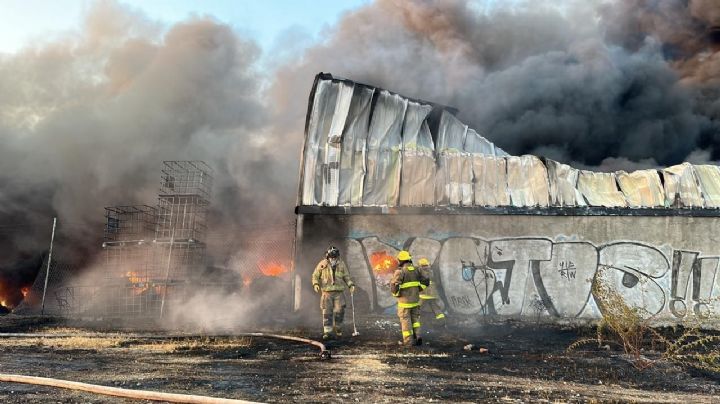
(330,278)
(428,296)
(406,284)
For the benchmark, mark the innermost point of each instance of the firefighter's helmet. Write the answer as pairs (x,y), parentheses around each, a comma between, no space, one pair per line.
(404,256)
(332,252)
(424,262)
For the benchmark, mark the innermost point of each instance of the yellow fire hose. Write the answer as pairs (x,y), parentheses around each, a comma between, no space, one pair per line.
(142,394)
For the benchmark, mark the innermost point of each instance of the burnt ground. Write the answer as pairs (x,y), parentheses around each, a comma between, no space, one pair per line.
(524,363)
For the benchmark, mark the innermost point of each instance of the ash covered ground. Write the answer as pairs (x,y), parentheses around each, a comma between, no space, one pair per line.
(524,363)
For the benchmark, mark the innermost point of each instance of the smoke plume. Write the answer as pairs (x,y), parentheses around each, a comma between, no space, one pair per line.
(86,119)
(588,80)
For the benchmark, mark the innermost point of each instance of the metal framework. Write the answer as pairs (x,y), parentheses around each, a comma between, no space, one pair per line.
(123,223)
(182,217)
(150,253)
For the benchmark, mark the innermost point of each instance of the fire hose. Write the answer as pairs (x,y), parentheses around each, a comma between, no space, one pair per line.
(117,392)
(324,353)
(142,394)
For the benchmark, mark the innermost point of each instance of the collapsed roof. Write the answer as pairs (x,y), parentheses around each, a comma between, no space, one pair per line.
(366,146)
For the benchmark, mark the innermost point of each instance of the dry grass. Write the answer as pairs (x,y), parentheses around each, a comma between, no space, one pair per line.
(171,346)
(630,328)
(81,342)
(77,342)
(97,342)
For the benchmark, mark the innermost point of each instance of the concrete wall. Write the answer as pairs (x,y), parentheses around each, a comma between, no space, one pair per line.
(529,265)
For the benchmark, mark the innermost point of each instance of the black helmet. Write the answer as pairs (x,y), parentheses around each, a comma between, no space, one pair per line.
(332,252)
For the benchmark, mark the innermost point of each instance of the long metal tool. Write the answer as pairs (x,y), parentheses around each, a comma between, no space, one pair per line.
(352,304)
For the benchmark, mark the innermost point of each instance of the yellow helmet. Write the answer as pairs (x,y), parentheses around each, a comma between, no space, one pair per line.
(404,256)
(424,262)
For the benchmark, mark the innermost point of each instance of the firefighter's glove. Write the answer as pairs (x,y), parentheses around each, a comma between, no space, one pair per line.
(317,288)
(352,289)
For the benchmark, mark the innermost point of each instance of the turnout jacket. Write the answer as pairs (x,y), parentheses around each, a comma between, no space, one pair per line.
(430,292)
(406,284)
(331,279)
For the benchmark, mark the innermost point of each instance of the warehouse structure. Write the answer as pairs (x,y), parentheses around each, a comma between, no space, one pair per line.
(508,235)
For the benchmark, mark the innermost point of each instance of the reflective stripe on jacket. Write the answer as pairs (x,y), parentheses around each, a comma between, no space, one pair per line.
(430,292)
(331,280)
(406,285)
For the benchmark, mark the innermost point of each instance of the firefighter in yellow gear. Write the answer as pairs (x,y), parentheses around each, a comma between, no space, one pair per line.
(428,296)
(330,277)
(406,284)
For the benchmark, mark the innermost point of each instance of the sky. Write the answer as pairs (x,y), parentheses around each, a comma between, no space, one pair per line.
(265,21)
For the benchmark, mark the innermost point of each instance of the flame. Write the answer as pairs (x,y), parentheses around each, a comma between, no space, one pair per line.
(272,268)
(383,262)
(133,277)
(139,283)
(25,291)
(2,303)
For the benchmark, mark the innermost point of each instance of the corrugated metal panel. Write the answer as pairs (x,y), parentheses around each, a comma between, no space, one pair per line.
(316,139)
(563,180)
(476,144)
(527,181)
(641,188)
(417,187)
(331,166)
(354,141)
(490,180)
(354,159)
(681,186)
(600,189)
(382,181)
(453,182)
(709,177)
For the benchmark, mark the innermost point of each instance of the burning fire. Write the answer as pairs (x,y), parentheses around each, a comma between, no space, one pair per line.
(382,262)
(11,299)
(272,268)
(266,268)
(139,283)
(133,277)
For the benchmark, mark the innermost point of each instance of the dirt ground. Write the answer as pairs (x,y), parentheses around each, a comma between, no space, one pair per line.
(524,363)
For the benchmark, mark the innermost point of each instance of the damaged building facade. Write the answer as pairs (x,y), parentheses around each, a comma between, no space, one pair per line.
(510,236)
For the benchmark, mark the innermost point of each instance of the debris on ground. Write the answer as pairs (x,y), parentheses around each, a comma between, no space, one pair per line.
(531,366)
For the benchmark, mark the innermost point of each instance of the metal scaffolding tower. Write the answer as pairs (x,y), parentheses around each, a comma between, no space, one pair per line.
(150,253)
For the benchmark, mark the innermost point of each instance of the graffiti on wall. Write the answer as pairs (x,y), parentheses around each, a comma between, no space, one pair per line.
(517,276)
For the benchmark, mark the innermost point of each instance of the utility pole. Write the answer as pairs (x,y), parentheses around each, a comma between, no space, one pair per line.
(47,270)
